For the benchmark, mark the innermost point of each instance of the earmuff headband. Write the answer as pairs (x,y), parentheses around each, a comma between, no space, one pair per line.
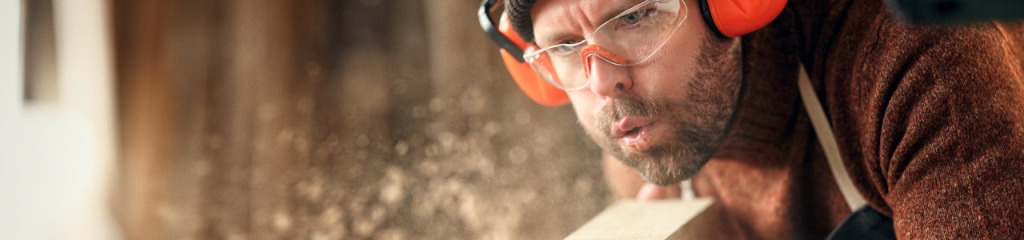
(705,11)
(488,25)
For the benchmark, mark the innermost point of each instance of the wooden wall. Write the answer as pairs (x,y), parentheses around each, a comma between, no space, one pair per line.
(315,119)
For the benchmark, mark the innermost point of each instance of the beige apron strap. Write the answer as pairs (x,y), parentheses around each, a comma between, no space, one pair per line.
(828,141)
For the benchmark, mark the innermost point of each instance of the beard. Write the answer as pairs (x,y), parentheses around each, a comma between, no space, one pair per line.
(696,125)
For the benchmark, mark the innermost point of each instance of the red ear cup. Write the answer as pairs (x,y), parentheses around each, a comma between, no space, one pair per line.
(734,18)
(528,80)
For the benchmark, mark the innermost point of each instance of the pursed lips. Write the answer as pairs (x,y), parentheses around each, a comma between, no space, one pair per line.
(634,133)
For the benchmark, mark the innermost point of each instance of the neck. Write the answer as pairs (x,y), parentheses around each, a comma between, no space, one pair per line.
(753,174)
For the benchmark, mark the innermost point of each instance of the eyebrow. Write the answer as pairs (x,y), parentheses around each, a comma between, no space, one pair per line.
(606,15)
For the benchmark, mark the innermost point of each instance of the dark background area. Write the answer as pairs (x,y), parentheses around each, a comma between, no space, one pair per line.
(318,119)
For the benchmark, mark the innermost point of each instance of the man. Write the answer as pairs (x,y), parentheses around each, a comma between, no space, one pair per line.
(929,120)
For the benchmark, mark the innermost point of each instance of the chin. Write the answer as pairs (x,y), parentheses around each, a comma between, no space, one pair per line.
(678,155)
(665,165)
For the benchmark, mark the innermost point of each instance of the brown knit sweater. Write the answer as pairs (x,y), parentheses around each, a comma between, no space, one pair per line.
(929,121)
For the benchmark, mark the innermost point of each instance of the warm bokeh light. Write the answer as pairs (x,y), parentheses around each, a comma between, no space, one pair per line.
(288,119)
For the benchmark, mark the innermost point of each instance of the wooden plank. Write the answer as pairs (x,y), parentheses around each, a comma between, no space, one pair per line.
(629,219)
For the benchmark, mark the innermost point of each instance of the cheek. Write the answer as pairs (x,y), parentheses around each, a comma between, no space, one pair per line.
(585,103)
(674,65)
(667,79)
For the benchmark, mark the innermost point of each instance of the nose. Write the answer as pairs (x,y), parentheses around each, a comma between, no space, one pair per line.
(606,78)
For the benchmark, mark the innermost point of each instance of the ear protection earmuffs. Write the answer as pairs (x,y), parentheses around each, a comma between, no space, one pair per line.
(511,47)
(734,18)
(728,18)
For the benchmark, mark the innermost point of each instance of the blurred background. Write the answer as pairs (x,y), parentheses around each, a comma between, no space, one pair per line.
(246,119)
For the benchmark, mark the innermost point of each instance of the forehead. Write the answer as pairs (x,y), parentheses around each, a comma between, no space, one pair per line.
(555,18)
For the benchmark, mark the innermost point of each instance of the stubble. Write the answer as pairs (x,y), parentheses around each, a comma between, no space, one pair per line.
(698,124)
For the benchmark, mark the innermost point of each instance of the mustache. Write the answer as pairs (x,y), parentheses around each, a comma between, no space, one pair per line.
(627,106)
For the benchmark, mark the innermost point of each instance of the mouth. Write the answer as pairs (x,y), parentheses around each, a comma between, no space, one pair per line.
(636,134)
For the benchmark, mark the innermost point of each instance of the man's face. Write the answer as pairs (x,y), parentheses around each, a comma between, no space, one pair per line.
(665,117)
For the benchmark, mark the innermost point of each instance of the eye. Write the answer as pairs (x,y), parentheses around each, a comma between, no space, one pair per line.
(634,17)
(565,47)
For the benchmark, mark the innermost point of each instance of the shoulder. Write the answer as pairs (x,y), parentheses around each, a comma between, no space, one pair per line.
(930,119)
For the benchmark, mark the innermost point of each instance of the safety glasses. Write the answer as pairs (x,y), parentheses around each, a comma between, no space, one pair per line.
(630,38)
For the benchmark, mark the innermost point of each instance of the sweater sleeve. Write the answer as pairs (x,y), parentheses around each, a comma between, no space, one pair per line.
(930,120)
